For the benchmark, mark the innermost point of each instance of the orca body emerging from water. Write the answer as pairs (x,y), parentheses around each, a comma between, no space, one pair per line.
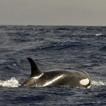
(56,78)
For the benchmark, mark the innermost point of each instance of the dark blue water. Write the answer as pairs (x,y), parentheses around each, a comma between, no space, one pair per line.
(52,47)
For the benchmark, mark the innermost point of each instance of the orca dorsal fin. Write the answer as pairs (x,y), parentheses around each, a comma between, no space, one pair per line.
(35,70)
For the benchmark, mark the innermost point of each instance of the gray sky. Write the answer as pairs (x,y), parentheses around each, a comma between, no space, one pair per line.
(53,12)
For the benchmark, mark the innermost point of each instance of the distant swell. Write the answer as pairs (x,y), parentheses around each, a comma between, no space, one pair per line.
(62,46)
(10,83)
(103,48)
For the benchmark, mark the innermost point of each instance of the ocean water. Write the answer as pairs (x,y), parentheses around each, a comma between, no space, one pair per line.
(79,48)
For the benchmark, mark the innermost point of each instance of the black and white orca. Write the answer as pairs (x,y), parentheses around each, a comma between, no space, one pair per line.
(70,78)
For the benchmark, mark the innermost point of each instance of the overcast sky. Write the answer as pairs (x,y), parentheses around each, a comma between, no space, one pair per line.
(53,12)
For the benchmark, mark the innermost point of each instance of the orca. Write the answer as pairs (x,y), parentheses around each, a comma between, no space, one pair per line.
(55,78)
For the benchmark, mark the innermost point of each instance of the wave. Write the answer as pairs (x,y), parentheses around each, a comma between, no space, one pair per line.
(103,48)
(98,34)
(13,82)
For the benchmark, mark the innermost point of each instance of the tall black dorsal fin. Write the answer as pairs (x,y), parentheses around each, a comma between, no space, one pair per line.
(35,70)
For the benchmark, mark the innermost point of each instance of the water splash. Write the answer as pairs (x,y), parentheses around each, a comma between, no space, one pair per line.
(98,83)
(13,82)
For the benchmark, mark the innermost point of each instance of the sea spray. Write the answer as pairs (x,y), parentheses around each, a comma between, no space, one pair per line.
(13,82)
(97,83)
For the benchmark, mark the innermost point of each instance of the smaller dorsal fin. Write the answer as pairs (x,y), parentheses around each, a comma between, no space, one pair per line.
(35,70)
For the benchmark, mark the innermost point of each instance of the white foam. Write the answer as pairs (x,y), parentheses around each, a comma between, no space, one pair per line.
(98,83)
(13,82)
(99,34)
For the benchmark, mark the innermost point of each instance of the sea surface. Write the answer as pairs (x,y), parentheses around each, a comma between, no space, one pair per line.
(79,48)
